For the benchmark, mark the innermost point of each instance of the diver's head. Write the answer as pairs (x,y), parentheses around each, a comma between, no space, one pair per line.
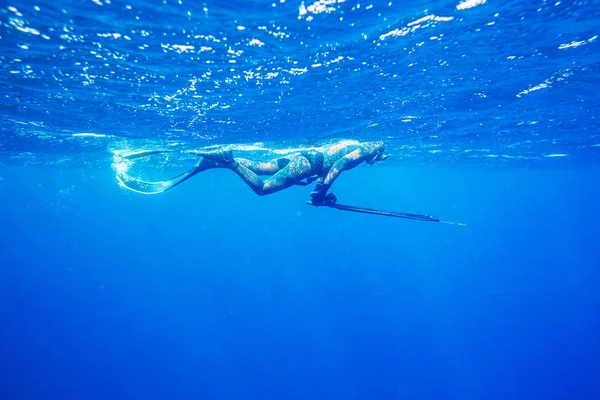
(376,149)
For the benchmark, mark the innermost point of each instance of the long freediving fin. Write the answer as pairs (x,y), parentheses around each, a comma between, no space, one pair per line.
(143,153)
(145,187)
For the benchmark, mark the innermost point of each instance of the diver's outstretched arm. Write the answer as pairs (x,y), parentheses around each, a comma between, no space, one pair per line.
(347,162)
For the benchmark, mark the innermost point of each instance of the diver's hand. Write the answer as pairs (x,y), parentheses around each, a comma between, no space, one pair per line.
(320,200)
(330,199)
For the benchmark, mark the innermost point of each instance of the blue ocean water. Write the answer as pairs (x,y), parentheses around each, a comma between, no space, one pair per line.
(489,113)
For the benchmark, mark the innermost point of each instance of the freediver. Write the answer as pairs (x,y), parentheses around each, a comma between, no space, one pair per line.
(322,164)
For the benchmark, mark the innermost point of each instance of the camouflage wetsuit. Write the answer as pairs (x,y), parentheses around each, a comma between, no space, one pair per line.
(324,164)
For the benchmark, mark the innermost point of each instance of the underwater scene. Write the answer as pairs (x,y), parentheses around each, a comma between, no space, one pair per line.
(291,199)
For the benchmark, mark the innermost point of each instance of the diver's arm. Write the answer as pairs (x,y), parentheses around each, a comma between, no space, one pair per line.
(324,184)
(319,193)
(349,161)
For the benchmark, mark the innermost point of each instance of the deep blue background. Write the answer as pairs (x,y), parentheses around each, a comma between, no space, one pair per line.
(209,291)
(490,117)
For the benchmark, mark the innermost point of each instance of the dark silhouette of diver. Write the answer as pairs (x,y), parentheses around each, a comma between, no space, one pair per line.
(323,164)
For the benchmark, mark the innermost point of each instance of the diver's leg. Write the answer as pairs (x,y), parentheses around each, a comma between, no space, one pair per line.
(206,163)
(261,168)
(250,177)
(297,169)
(225,159)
